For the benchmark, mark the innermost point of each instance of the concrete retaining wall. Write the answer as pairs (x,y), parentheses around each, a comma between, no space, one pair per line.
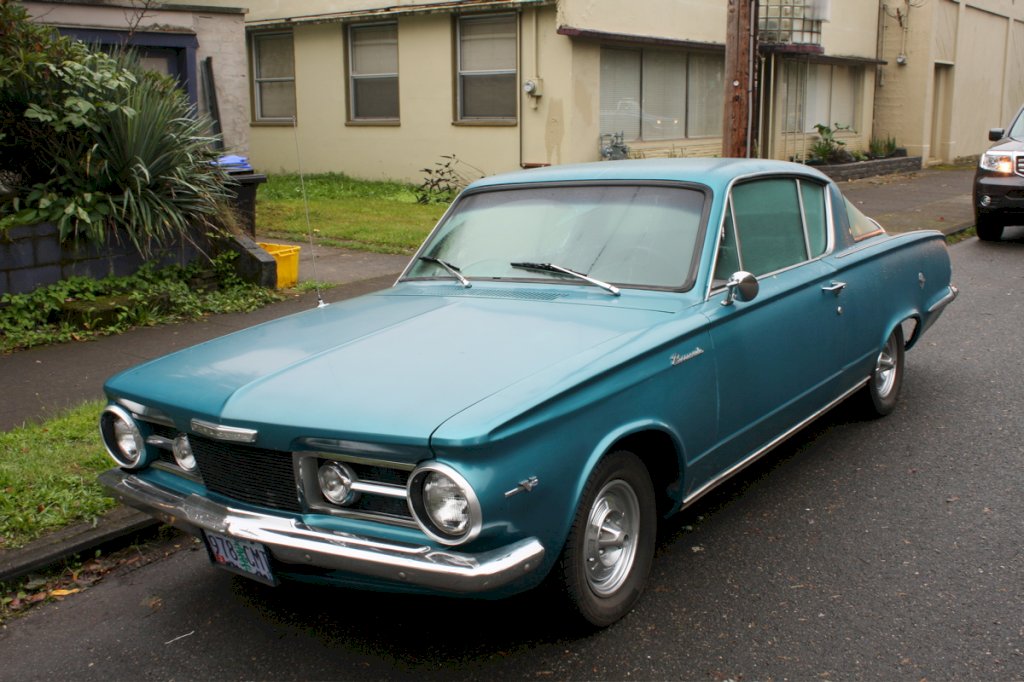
(867,169)
(32,256)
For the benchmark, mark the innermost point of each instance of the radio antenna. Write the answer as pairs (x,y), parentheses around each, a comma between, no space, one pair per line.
(320,303)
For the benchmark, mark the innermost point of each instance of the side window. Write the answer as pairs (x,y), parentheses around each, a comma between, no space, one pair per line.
(768,224)
(860,225)
(728,254)
(813,196)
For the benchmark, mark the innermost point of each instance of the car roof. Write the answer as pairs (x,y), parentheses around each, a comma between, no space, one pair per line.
(713,172)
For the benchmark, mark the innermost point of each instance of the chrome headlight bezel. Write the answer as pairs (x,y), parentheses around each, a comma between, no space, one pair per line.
(118,430)
(1001,163)
(437,473)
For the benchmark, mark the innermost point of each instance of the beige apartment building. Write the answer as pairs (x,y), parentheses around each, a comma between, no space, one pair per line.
(385,88)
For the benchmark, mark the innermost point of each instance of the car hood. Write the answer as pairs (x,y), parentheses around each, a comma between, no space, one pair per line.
(1008,145)
(386,367)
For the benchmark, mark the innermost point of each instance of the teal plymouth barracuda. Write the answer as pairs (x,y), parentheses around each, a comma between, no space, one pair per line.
(573,354)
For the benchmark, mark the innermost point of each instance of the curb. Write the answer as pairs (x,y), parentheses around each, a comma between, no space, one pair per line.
(114,527)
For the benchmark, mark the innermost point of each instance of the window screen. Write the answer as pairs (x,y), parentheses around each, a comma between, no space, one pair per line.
(373,71)
(649,94)
(273,76)
(487,67)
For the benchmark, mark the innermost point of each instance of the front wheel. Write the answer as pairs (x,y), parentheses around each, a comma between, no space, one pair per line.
(989,228)
(883,389)
(608,554)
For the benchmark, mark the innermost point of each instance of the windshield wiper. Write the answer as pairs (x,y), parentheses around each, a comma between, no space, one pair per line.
(452,270)
(548,267)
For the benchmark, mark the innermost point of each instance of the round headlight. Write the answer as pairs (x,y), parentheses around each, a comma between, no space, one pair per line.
(182,450)
(122,437)
(336,481)
(444,504)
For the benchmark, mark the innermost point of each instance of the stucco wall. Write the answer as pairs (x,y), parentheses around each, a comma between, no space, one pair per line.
(696,20)
(961,76)
(852,29)
(222,37)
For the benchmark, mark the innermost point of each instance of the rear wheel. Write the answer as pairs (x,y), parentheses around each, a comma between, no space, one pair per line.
(883,389)
(989,228)
(607,557)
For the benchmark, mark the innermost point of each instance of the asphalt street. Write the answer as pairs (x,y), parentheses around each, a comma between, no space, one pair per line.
(882,550)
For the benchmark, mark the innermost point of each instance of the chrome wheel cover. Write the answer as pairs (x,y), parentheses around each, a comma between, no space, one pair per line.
(610,538)
(885,368)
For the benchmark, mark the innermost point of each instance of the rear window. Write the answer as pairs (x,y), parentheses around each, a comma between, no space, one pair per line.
(861,226)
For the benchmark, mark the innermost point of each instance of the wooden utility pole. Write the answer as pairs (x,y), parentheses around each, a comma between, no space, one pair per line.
(740,50)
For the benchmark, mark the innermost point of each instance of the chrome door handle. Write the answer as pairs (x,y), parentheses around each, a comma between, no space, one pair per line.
(835,287)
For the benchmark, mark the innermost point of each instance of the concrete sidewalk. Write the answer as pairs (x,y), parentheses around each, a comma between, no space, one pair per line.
(40,382)
(924,200)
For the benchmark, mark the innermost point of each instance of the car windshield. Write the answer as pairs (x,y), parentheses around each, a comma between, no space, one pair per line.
(628,235)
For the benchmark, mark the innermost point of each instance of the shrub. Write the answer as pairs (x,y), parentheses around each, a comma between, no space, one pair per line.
(442,183)
(98,146)
(881,148)
(148,297)
(826,148)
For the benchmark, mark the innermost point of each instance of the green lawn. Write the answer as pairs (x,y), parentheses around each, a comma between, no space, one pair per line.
(48,475)
(383,217)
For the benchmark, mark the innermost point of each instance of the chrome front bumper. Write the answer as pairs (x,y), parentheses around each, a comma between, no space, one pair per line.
(292,542)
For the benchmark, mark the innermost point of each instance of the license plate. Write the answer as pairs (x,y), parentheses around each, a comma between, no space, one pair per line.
(245,557)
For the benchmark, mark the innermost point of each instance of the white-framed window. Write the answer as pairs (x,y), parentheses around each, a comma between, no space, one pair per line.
(486,65)
(658,94)
(273,68)
(373,72)
(826,94)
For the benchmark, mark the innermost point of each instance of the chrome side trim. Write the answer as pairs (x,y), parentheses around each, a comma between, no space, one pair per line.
(231,434)
(945,300)
(383,489)
(293,542)
(757,454)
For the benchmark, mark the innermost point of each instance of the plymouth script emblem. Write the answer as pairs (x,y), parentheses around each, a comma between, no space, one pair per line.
(678,359)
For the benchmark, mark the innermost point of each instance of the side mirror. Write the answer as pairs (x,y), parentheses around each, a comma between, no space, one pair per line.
(742,286)
(995,134)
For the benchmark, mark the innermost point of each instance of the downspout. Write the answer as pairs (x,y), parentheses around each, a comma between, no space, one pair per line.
(535,76)
(519,93)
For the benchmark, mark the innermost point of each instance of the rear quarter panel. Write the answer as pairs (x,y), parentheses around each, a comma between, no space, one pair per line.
(889,278)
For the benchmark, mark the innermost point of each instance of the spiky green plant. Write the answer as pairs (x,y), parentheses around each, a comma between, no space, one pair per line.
(114,152)
(157,166)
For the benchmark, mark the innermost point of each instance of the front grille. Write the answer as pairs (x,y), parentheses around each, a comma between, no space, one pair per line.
(377,504)
(266,478)
(1019,165)
(254,475)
